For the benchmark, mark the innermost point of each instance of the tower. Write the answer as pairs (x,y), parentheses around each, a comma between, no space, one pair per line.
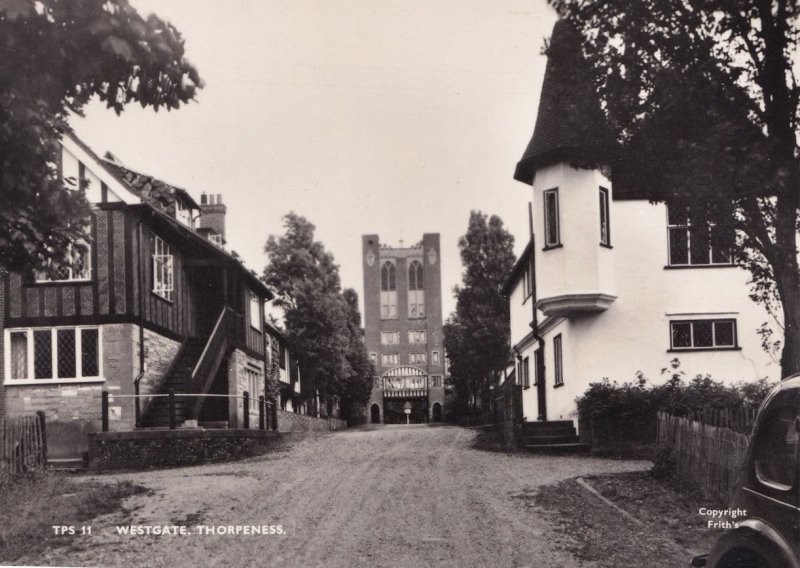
(403,329)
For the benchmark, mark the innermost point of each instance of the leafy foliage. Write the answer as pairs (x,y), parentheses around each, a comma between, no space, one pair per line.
(703,100)
(477,335)
(56,56)
(633,405)
(322,323)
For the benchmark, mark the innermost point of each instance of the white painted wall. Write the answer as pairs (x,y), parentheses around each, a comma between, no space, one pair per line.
(633,334)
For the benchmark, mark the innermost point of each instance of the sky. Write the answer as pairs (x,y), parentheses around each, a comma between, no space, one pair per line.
(395,117)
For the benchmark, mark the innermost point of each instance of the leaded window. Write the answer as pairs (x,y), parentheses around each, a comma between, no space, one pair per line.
(388,290)
(60,353)
(416,290)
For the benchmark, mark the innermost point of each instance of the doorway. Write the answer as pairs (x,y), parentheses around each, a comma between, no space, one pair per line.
(375,414)
(437,412)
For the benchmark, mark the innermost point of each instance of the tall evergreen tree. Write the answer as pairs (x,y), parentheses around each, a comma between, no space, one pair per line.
(307,289)
(56,56)
(357,385)
(477,335)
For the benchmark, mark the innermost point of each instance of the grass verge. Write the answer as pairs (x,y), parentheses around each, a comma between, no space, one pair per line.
(669,532)
(32,505)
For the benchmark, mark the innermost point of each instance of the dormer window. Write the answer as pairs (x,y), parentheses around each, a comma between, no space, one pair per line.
(216,239)
(183,213)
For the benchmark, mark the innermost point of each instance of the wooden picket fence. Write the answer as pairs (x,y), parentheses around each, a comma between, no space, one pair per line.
(23,445)
(709,448)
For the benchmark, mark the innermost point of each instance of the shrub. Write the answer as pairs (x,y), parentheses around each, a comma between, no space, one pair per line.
(629,410)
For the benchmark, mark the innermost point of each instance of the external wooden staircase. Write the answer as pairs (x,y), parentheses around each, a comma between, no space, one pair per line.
(192,373)
(554,436)
(179,381)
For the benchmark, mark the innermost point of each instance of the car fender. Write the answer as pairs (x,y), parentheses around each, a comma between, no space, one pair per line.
(759,537)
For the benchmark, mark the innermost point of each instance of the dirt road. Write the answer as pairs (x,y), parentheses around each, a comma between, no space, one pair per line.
(387,496)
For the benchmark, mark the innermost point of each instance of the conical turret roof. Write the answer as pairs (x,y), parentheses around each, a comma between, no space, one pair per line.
(570,125)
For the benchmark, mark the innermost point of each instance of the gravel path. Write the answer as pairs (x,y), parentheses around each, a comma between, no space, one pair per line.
(379,496)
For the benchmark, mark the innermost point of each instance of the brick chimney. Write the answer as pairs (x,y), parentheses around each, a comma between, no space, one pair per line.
(212,213)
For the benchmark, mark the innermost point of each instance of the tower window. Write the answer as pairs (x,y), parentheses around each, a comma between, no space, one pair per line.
(388,290)
(605,218)
(416,290)
(552,236)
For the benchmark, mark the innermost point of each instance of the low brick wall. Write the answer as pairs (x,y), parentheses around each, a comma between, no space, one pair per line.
(145,449)
(291,422)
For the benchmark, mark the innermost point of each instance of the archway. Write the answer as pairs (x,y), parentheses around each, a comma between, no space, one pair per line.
(375,414)
(437,412)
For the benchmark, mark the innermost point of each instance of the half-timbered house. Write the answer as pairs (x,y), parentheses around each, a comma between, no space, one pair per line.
(153,302)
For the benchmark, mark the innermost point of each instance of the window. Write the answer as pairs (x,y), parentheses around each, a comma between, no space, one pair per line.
(162,269)
(388,291)
(557,360)
(390,358)
(183,213)
(253,378)
(78,266)
(703,334)
(416,336)
(417,358)
(775,447)
(538,365)
(54,353)
(694,242)
(527,282)
(216,239)
(526,372)
(255,312)
(435,357)
(605,218)
(281,354)
(436,381)
(552,235)
(390,338)
(416,290)
(373,358)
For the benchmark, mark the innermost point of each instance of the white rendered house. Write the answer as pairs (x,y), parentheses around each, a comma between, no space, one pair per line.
(611,284)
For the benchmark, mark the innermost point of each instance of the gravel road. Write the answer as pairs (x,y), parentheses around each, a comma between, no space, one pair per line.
(379,496)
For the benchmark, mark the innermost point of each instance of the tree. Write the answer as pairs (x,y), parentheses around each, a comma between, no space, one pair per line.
(702,97)
(307,288)
(357,385)
(477,335)
(56,56)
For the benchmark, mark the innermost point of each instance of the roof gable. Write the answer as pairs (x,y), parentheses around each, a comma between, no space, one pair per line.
(570,125)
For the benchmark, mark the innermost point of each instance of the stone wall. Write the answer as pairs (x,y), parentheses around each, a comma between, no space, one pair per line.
(291,422)
(238,382)
(145,449)
(159,353)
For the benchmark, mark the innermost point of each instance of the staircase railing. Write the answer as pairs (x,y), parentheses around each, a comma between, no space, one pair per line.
(216,349)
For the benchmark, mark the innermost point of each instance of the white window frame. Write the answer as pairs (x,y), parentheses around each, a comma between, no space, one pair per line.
(255,312)
(551,240)
(687,228)
(41,276)
(163,269)
(420,358)
(605,217)
(435,360)
(558,360)
(183,213)
(436,381)
(30,373)
(388,359)
(713,346)
(417,337)
(390,338)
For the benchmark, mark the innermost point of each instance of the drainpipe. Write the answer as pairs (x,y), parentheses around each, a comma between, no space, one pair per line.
(538,361)
(137,403)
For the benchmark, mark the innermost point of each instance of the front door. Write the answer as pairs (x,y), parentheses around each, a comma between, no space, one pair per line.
(541,387)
